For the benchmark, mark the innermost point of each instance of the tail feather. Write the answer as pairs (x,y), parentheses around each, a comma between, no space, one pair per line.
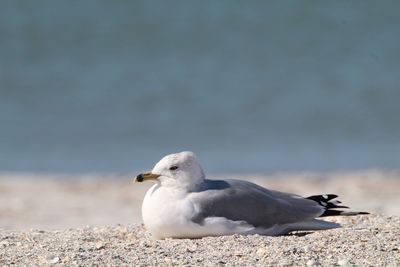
(331,207)
(311,225)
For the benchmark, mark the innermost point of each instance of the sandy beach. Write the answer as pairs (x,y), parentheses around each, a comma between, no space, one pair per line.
(75,220)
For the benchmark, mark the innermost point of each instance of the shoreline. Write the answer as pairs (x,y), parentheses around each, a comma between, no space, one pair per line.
(53,201)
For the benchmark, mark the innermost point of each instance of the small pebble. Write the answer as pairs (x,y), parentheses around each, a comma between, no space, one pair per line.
(261,252)
(99,245)
(312,263)
(343,262)
(287,263)
(4,244)
(52,259)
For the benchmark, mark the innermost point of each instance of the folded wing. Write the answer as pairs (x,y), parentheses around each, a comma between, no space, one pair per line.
(244,201)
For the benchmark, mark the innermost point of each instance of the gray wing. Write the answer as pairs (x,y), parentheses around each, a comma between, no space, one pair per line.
(244,201)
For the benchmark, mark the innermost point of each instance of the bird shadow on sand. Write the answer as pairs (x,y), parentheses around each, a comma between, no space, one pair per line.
(299,234)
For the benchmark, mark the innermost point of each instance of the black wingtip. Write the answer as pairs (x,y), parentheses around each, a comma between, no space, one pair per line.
(331,207)
(342,213)
(323,198)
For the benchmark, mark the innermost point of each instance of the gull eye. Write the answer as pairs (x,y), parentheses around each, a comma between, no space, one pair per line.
(173,168)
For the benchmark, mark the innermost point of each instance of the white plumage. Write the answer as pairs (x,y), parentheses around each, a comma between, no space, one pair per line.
(184,204)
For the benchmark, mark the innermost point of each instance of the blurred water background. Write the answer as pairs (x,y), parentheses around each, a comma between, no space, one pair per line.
(250,86)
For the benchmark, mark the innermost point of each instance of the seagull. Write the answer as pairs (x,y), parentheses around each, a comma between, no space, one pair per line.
(183,203)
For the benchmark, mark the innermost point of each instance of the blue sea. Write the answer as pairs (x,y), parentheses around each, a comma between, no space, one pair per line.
(249,86)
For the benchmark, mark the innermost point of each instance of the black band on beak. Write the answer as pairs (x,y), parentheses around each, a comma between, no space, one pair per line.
(140,178)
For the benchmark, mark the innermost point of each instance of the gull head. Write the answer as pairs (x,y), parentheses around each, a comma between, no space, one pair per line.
(180,170)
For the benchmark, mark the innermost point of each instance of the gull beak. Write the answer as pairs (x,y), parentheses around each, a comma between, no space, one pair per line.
(146,176)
